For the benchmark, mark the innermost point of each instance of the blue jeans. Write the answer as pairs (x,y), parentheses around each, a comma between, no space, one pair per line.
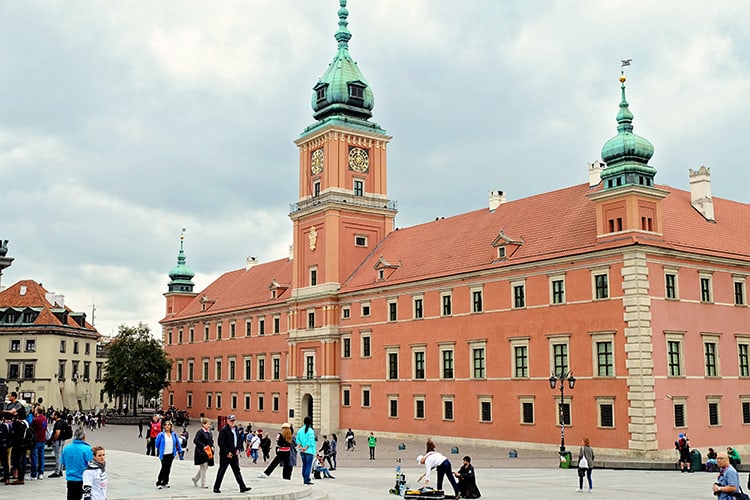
(37,460)
(307,460)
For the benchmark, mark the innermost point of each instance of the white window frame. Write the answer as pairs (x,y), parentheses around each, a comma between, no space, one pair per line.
(713,399)
(448,398)
(554,340)
(364,305)
(392,303)
(477,344)
(392,349)
(527,399)
(362,337)
(357,237)
(711,338)
(363,389)
(601,401)
(443,296)
(596,337)
(445,347)
(346,312)
(485,399)
(675,336)
(391,399)
(422,348)
(742,280)
(414,300)
(552,279)
(709,276)
(519,342)
(513,285)
(601,271)
(420,398)
(473,290)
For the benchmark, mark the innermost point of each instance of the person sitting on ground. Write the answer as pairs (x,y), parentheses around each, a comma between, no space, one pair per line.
(467,481)
(320,468)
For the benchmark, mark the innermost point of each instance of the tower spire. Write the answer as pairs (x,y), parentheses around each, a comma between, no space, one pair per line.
(181,275)
(343,35)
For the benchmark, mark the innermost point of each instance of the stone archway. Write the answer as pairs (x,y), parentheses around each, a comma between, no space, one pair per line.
(307,407)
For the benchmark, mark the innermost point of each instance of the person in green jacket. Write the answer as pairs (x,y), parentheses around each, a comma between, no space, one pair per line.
(371,441)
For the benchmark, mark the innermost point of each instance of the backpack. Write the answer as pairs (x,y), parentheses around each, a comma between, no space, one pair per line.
(29,439)
(66,432)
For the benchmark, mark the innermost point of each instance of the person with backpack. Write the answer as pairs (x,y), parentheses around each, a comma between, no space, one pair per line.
(39,428)
(61,432)
(21,441)
(682,445)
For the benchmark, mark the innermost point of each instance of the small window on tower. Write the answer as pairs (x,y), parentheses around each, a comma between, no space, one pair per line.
(356,91)
(360,241)
(320,93)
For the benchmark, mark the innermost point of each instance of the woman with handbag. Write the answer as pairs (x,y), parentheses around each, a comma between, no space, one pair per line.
(585,464)
(204,452)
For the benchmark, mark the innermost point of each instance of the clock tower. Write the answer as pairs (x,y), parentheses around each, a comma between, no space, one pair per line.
(342,213)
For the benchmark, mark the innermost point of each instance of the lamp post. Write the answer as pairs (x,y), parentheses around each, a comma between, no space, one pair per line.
(562,377)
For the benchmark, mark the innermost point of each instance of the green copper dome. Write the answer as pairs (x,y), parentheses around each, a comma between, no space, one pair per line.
(342,90)
(181,275)
(627,154)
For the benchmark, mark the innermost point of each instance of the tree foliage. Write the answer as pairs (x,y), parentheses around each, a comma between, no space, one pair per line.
(136,363)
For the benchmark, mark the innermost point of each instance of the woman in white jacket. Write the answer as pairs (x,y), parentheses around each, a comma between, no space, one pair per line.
(95,476)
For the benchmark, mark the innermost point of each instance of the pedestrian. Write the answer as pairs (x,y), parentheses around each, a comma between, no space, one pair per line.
(283,452)
(167,445)
(60,430)
(95,476)
(265,446)
(140,428)
(153,430)
(18,449)
(682,445)
(325,450)
(585,463)
(334,447)
(467,480)
(371,442)
(350,444)
(306,444)
(437,461)
(228,456)
(75,459)
(728,481)
(203,456)
(254,445)
(39,426)
(5,446)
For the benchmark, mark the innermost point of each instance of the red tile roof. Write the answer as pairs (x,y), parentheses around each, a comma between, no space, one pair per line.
(30,294)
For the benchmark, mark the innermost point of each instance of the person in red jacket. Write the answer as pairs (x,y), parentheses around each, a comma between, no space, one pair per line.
(39,426)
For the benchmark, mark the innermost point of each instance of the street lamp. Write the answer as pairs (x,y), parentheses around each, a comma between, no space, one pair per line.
(562,377)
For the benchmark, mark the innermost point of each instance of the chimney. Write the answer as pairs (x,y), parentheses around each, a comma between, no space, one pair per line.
(250,262)
(497,198)
(595,172)
(700,192)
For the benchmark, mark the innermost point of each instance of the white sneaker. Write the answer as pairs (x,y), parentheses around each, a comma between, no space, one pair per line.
(40,477)
(580,490)
(262,476)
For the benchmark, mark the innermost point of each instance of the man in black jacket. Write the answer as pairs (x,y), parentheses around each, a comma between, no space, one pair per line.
(229,443)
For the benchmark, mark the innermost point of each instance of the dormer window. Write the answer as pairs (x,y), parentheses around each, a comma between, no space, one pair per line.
(320,92)
(356,91)
(501,252)
(506,246)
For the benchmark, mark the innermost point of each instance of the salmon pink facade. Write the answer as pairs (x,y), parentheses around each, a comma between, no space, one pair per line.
(452,328)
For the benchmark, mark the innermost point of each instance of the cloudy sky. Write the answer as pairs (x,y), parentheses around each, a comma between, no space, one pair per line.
(123,121)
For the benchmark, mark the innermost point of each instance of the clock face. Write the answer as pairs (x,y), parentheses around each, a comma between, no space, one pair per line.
(316,161)
(358,160)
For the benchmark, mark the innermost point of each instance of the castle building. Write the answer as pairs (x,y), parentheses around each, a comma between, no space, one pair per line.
(452,328)
(48,352)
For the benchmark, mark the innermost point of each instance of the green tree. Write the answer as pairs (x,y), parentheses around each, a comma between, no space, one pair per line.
(136,363)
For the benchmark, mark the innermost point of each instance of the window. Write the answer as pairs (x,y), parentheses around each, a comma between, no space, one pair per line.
(261,368)
(261,326)
(680,415)
(233,401)
(316,188)
(261,402)
(744,359)
(14,371)
(205,370)
(232,330)
(209,398)
(28,371)
(419,372)
(706,294)
(520,360)
(248,368)
(447,362)
(601,286)
(446,299)
(100,371)
(393,406)
(247,402)
(205,333)
(477,362)
(218,333)
(191,335)
(61,369)
(311,320)
(62,346)
(392,310)
(366,309)
(366,397)
(713,411)
(356,91)
(709,357)
(75,347)
(190,368)
(313,275)
(739,292)
(169,337)
(275,402)
(519,295)
(87,346)
(606,412)
(276,367)
(232,370)
(604,355)
(393,366)
(360,241)
(674,355)
(527,410)
(563,413)
(218,370)
(218,400)
(476,301)
(366,350)
(745,410)
(359,187)
(448,413)
(419,407)
(178,373)
(248,327)
(485,409)
(31,345)
(189,403)
(346,347)
(346,396)
(418,308)
(559,357)
(670,285)
(309,366)
(557,286)
(346,312)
